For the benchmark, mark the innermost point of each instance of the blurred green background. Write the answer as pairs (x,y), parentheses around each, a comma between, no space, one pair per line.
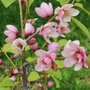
(71,80)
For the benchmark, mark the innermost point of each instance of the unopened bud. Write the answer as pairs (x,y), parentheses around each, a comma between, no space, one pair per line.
(16,55)
(50,83)
(1,62)
(32,41)
(13,78)
(34,47)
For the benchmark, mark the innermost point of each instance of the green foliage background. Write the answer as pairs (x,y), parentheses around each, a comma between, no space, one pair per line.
(71,80)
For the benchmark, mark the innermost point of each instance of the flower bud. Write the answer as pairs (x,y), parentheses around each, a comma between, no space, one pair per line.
(32,41)
(50,83)
(1,62)
(23,2)
(29,29)
(13,78)
(34,47)
(16,55)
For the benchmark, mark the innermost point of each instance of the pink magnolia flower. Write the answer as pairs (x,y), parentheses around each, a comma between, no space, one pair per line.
(48,30)
(74,55)
(45,10)
(11,32)
(54,46)
(45,60)
(66,12)
(19,44)
(63,29)
(29,29)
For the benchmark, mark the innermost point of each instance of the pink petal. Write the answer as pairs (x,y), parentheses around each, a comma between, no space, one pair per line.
(76,42)
(68,63)
(78,66)
(40,53)
(38,68)
(74,12)
(67,18)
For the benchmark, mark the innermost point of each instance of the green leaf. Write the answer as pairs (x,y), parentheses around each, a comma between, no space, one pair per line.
(82,27)
(57,74)
(62,2)
(7,3)
(27,48)
(4,88)
(30,59)
(62,42)
(56,82)
(60,63)
(80,5)
(33,76)
(8,48)
(7,82)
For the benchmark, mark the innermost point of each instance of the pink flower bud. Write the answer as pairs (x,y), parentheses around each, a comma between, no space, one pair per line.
(45,10)
(34,46)
(50,83)
(13,78)
(16,55)
(40,85)
(1,62)
(54,46)
(23,2)
(29,29)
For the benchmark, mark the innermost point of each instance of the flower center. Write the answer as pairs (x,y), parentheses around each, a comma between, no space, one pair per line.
(20,45)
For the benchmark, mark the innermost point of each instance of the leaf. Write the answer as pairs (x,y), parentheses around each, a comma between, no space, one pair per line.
(27,48)
(60,63)
(57,82)
(7,82)
(30,59)
(33,76)
(7,3)
(82,27)
(62,2)
(62,42)
(4,88)
(81,7)
(57,74)
(8,48)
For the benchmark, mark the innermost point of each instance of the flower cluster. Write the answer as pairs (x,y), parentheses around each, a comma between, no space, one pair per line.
(74,54)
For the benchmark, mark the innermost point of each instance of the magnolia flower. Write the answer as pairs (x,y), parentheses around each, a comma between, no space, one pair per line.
(19,44)
(48,30)
(45,10)
(66,12)
(63,29)
(74,55)
(29,29)
(11,32)
(54,46)
(45,60)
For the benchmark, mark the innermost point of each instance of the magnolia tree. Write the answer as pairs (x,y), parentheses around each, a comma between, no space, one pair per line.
(42,69)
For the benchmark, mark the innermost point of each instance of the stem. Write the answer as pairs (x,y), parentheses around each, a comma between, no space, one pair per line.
(9,59)
(24,73)
(31,36)
(21,19)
